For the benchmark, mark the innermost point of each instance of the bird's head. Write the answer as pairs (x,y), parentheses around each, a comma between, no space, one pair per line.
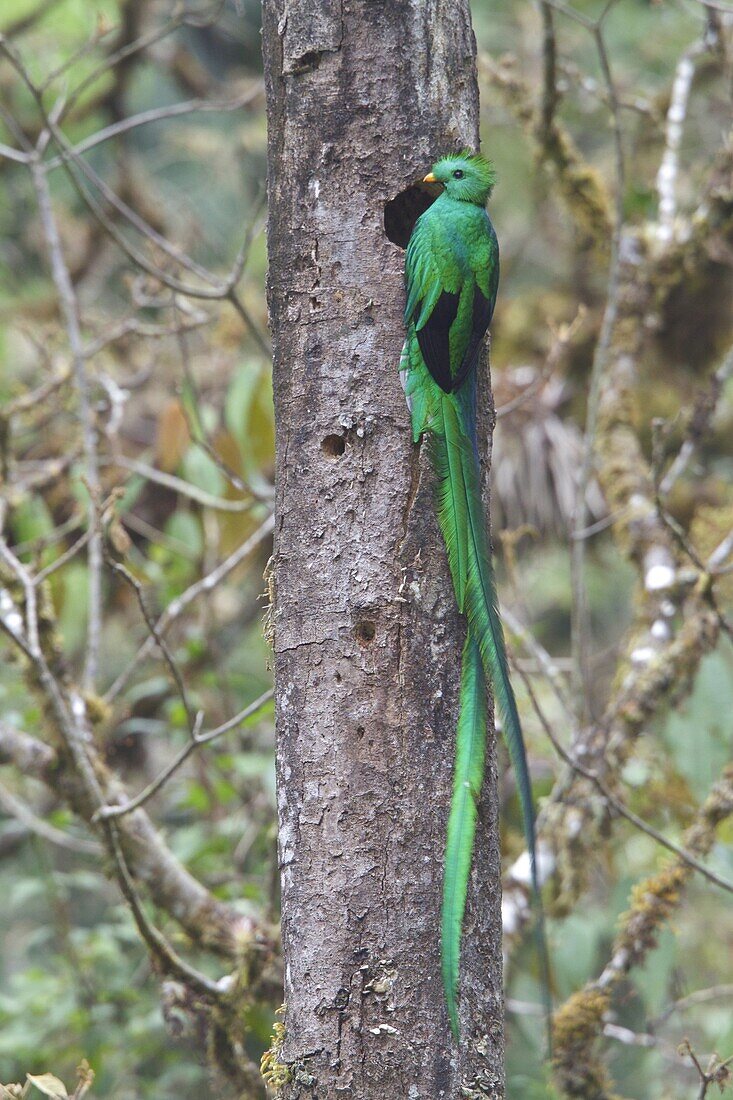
(466,176)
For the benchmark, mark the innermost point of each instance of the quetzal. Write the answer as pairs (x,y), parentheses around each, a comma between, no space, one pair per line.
(452,276)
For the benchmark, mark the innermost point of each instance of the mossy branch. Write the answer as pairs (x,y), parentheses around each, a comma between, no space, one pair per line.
(579,1022)
(581,186)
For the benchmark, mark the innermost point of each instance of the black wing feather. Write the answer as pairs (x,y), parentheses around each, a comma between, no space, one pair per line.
(480,320)
(433,339)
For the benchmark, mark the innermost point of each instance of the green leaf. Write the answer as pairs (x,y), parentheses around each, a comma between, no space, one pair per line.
(249,416)
(203,472)
(73,613)
(186,529)
(239,400)
(31,519)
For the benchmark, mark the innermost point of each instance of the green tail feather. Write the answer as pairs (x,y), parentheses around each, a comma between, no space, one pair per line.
(453,495)
(460,514)
(467,780)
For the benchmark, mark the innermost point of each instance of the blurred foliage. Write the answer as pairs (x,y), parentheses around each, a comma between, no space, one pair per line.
(75,980)
(74,977)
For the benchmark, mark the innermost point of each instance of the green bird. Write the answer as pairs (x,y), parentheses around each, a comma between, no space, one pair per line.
(452,277)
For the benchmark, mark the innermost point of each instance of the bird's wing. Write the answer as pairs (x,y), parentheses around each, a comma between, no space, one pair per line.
(451,289)
(484,261)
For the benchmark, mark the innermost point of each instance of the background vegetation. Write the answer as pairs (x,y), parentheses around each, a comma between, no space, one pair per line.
(136,454)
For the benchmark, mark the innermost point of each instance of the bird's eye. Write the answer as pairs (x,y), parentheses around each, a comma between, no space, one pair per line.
(458,174)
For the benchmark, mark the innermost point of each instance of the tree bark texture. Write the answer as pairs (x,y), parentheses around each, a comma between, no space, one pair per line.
(363,95)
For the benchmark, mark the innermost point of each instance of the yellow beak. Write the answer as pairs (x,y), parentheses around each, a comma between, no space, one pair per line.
(430,178)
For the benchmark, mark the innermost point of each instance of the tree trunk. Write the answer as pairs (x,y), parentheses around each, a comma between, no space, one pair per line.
(362,97)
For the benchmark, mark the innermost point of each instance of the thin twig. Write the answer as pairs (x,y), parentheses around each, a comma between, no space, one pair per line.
(15,129)
(15,155)
(571,13)
(29,402)
(32,634)
(132,326)
(196,741)
(194,719)
(178,485)
(158,114)
(545,660)
(25,815)
(719,555)
(111,60)
(580,620)
(156,941)
(63,559)
(177,606)
(70,308)
(616,803)
(42,542)
(716,1073)
(156,537)
(67,711)
(700,996)
(702,414)
(97,36)
(600,525)
(674,129)
(565,336)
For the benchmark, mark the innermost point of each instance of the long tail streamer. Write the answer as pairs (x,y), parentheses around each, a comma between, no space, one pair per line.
(450,421)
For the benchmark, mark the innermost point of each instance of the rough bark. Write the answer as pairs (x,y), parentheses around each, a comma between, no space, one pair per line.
(362,97)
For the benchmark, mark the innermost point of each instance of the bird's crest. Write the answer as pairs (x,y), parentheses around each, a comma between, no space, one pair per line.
(481,165)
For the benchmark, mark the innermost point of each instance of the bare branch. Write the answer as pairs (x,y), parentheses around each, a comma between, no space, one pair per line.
(31,603)
(617,804)
(547,663)
(700,419)
(15,155)
(700,996)
(580,622)
(63,559)
(132,326)
(178,485)
(159,946)
(18,809)
(70,307)
(157,114)
(719,555)
(125,51)
(30,756)
(28,402)
(176,608)
(194,719)
(674,129)
(197,739)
